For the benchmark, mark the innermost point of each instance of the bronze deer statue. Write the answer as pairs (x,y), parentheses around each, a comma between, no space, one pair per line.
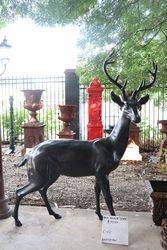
(50,159)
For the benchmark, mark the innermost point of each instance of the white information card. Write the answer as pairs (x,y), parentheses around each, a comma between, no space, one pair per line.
(115,230)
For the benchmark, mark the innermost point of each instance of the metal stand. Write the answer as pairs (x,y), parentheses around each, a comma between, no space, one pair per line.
(12,139)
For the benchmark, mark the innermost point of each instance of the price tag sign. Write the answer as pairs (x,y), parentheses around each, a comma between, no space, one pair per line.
(115,230)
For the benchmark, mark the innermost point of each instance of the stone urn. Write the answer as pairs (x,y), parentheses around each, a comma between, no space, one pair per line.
(159,198)
(33,103)
(67,114)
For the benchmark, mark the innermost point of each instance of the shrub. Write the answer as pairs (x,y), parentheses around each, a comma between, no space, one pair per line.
(19,119)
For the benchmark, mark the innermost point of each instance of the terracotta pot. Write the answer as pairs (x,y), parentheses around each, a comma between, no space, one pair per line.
(33,102)
(67,115)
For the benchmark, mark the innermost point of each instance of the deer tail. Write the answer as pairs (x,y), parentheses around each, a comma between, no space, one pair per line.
(22,162)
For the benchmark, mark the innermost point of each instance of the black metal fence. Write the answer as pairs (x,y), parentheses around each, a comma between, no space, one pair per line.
(53,95)
(58,91)
(151,113)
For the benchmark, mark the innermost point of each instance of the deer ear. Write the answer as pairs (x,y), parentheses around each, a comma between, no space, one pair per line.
(143,99)
(116,99)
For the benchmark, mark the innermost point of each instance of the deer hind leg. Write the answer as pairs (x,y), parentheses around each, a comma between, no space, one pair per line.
(105,187)
(43,193)
(97,195)
(20,193)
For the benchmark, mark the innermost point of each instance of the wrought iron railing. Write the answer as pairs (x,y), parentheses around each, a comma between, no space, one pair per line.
(54,94)
(150,136)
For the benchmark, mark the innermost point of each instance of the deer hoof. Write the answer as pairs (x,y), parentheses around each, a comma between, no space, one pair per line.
(99,215)
(18,223)
(57,216)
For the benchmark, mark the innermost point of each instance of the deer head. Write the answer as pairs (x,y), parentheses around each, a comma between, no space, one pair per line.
(131,103)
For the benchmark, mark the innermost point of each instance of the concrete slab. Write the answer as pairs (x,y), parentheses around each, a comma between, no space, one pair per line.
(78,229)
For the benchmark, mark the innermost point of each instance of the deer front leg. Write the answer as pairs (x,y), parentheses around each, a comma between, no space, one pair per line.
(103,182)
(97,195)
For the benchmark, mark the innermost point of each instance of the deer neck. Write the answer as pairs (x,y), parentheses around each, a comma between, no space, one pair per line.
(120,135)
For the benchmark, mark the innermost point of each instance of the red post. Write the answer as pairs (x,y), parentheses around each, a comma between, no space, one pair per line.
(95,126)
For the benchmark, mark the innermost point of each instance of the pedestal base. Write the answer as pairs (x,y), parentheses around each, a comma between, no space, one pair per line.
(33,134)
(134,133)
(5,211)
(132,153)
(66,134)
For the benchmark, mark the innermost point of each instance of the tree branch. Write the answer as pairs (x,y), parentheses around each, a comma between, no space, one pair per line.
(164,34)
(131,34)
(148,41)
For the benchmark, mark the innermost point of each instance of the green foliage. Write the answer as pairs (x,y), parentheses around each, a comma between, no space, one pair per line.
(50,121)
(19,119)
(46,12)
(150,136)
(48,118)
(163,157)
(136,28)
(147,131)
(2,24)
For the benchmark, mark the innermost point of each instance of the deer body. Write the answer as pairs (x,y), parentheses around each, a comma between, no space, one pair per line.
(79,158)
(50,159)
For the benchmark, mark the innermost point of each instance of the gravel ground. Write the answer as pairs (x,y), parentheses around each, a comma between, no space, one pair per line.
(127,186)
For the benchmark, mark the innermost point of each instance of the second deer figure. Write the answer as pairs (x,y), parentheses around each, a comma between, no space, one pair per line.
(50,159)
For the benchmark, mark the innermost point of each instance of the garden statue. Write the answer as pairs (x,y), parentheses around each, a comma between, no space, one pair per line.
(50,159)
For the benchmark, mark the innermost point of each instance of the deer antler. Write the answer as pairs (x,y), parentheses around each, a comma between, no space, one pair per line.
(143,85)
(109,61)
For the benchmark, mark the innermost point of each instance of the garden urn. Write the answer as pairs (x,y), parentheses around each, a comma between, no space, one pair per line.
(67,114)
(33,102)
